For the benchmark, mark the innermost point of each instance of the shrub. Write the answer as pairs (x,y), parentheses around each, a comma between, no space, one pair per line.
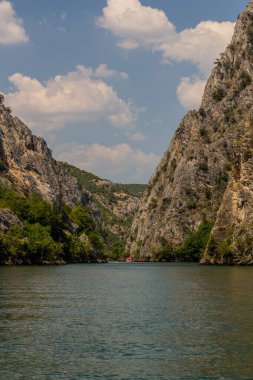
(13,242)
(244,80)
(247,155)
(153,204)
(195,244)
(192,206)
(202,112)
(229,115)
(218,94)
(208,193)
(224,251)
(203,166)
(40,244)
(164,167)
(165,203)
(97,242)
(80,215)
(166,252)
(250,34)
(75,250)
(189,191)
(204,134)
(118,251)
(47,234)
(250,16)
(174,164)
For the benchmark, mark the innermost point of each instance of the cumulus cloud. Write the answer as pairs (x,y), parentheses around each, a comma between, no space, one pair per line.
(128,44)
(102,71)
(137,25)
(200,45)
(11,27)
(133,22)
(78,97)
(119,162)
(190,91)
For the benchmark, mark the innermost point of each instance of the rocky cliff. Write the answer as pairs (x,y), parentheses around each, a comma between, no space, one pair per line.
(205,177)
(51,212)
(117,203)
(45,215)
(27,163)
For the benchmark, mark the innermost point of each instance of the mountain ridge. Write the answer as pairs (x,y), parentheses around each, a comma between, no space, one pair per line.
(199,180)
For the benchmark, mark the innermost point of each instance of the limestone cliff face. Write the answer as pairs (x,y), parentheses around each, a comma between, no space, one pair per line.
(206,174)
(27,163)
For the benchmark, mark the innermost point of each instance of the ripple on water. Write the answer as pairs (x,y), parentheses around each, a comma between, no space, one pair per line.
(117,321)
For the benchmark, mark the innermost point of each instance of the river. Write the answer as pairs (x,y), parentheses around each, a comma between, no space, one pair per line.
(126,321)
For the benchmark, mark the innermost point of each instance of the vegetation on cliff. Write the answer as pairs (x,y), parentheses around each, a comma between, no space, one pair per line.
(47,214)
(42,233)
(117,204)
(45,234)
(206,174)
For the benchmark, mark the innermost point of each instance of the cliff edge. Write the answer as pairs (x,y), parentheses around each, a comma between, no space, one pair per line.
(202,191)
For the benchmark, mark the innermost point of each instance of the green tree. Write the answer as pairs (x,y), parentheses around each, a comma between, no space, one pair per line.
(195,244)
(13,242)
(40,244)
(80,215)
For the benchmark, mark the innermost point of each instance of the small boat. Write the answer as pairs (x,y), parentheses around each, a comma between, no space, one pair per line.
(129,259)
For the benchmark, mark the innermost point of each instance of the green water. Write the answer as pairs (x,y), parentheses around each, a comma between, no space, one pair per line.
(126,321)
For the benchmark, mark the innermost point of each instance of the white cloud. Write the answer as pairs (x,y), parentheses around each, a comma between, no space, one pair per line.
(136,136)
(44,22)
(190,91)
(200,45)
(102,71)
(141,26)
(128,44)
(61,29)
(78,97)
(11,27)
(131,21)
(63,16)
(120,163)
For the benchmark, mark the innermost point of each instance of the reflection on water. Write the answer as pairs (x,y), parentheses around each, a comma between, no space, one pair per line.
(126,321)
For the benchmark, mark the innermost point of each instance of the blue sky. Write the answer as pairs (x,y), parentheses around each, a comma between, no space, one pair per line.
(107,82)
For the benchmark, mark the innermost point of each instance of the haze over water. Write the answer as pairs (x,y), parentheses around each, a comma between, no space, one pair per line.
(126,321)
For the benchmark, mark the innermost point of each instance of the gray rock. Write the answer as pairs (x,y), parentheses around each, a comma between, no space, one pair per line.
(27,164)
(8,219)
(206,174)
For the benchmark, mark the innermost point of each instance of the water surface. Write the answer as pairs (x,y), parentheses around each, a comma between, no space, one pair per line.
(126,321)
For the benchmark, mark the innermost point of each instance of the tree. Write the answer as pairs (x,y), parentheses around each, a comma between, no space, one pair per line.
(40,244)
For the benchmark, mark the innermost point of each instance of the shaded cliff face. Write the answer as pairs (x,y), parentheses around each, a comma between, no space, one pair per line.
(206,174)
(27,163)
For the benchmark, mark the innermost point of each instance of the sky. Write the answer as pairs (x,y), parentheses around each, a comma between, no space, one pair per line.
(106,82)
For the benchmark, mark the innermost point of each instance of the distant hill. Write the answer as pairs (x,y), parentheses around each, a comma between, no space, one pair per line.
(116,202)
(97,185)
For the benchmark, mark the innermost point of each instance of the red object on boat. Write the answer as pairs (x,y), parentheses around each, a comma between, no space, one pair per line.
(129,259)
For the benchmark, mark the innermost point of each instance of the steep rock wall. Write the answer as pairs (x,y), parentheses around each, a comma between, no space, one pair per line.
(206,174)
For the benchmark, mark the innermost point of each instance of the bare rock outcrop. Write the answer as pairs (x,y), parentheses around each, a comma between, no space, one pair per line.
(8,219)
(206,174)
(26,163)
